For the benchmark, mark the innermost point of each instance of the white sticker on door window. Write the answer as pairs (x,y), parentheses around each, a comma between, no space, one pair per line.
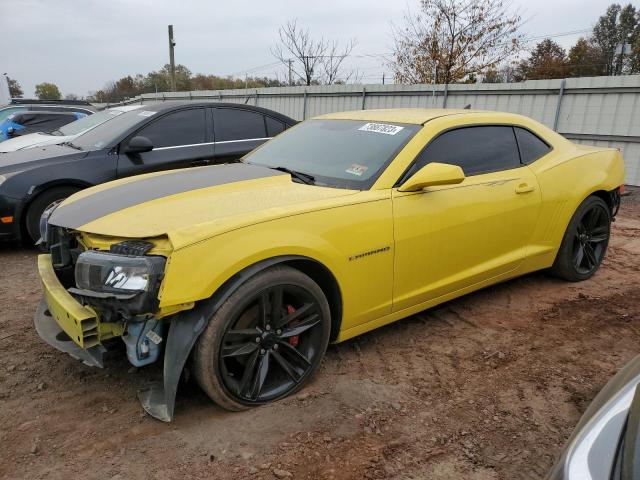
(381,128)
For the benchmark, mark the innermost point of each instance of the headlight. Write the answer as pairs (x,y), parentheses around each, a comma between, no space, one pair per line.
(118,274)
(44,222)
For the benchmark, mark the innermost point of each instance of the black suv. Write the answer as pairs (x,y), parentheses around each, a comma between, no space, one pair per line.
(154,137)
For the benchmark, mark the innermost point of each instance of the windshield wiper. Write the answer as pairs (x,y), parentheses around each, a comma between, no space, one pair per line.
(69,144)
(303,177)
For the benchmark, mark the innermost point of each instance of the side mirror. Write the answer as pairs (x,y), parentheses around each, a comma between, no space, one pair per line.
(138,145)
(431,175)
(11,131)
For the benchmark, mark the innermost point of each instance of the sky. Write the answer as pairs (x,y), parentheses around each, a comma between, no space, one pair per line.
(80,45)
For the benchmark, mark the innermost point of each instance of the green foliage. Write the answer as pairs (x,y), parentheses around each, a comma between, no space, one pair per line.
(547,60)
(618,25)
(160,81)
(585,59)
(15,90)
(48,91)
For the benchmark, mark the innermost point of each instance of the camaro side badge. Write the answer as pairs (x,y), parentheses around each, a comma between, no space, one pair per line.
(370,252)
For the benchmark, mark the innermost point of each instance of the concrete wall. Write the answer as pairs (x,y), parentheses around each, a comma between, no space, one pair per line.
(594,110)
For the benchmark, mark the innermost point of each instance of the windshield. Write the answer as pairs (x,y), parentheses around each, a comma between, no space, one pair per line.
(108,133)
(336,153)
(90,121)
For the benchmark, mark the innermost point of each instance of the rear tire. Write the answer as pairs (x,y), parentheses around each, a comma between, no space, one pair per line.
(585,241)
(40,204)
(265,341)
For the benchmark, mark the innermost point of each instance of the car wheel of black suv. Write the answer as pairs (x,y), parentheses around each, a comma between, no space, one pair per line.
(585,241)
(40,204)
(265,341)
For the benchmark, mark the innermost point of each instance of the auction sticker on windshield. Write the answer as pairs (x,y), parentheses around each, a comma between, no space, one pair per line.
(356,169)
(381,128)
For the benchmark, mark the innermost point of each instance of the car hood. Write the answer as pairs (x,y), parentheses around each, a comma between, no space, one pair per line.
(32,157)
(32,140)
(191,204)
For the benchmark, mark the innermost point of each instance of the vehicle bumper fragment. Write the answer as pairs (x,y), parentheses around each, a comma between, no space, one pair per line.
(54,335)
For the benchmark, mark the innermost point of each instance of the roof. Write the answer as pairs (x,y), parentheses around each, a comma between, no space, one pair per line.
(125,108)
(32,101)
(416,116)
(171,104)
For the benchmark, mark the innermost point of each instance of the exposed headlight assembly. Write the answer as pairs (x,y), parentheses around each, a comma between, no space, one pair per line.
(111,273)
(133,279)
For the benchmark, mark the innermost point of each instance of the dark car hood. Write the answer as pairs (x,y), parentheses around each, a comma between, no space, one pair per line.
(33,157)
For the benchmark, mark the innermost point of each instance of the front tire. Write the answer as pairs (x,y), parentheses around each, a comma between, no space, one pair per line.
(265,341)
(585,241)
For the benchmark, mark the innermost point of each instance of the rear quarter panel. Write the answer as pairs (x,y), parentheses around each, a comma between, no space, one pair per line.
(566,179)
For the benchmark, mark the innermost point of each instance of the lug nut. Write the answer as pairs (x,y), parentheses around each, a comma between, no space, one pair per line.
(275,347)
(279,331)
(257,339)
(262,351)
(268,327)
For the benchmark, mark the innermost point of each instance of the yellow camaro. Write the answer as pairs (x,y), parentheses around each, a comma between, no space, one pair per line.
(344,223)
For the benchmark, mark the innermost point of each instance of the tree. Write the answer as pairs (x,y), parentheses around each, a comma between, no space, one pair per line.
(617,26)
(160,81)
(452,39)
(311,61)
(585,59)
(15,90)
(547,60)
(48,91)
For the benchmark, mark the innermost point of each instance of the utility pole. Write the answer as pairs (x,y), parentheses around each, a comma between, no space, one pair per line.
(172,61)
(290,62)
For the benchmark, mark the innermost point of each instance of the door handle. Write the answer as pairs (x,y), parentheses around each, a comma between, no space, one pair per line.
(524,188)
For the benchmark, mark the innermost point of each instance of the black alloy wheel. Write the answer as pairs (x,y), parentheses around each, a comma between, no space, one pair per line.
(585,241)
(590,240)
(269,348)
(265,341)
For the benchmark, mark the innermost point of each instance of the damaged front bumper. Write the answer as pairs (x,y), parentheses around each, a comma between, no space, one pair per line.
(51,332)
(67,325)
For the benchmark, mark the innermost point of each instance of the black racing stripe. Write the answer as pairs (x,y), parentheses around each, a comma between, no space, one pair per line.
(111,200)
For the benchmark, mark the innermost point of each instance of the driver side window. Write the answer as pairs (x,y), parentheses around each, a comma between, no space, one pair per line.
(476,150)
(184,127)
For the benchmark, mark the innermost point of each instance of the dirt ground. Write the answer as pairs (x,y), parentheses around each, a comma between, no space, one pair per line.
(485,387)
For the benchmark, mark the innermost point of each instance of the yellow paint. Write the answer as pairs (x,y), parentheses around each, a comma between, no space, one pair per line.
(431,245)
(80,323)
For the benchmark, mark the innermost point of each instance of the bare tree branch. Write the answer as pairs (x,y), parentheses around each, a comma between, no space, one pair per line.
(452,39)
(311,61)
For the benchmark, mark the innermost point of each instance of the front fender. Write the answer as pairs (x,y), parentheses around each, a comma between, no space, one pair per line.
(353,242)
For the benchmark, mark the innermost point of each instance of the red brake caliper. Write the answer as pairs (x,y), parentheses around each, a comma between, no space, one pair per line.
(293,341)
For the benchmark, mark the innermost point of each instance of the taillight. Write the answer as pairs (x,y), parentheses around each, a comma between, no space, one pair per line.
(621,189)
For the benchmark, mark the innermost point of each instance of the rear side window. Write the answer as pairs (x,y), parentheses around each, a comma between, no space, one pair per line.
(44,121)
(476,150)
(184,127)
(237,124)
(5,112)
(274,126)
(531,147)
